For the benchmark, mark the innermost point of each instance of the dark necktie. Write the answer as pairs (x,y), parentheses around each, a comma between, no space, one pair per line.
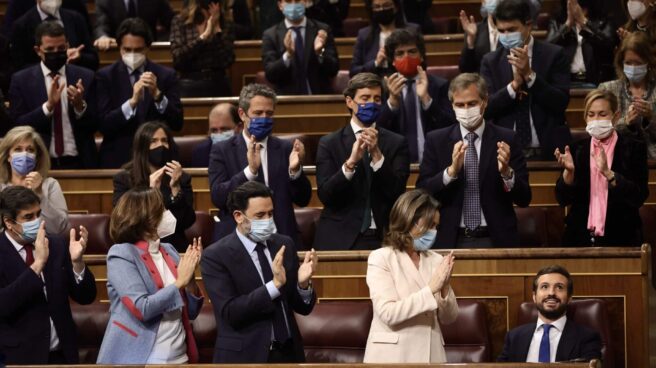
(410,119)
(523,118)
(132,9)
(299,57)
(472,202)
(51,18)
(58,125)
(545,348)
(366,167)
(279,325)
(136,75)
(29,254)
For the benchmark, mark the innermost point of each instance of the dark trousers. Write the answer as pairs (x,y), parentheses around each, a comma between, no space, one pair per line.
(66,163)
(369,240)
(56,357)
(282,353)
(465,242)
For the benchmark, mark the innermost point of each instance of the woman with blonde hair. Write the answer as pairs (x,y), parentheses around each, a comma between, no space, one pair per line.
(24,161)
(409,286)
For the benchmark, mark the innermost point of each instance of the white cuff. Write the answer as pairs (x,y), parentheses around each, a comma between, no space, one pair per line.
(46,112)
(446,178)
(161,106)
(347,174)
(128,111)
(286,59)
(249,174)
(297,175)
(378,164)
(511,91)
(79,276)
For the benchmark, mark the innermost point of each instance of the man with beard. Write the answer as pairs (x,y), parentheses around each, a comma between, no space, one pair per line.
(553,338)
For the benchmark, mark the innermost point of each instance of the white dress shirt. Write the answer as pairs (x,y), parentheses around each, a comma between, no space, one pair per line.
(264,162)
(43,15)
(493,33)
(286,58)
(70,149)
(555,333)
(535,142)
(578,65)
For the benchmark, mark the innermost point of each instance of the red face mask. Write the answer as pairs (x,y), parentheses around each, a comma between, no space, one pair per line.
(407,65)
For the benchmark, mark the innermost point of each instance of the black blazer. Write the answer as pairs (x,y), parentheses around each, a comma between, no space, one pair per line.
(344,200)
(77,33)
(364,53)
(242,306)
(576,342)
(623,224)
(27,94)
(182,209)
(114,88)
(226,172)
(470,59)
(549,94)
(200,156)
(496,202)
(332,14)
(319,73)
(16,8)
(25,312)
(110,14)
(599,41)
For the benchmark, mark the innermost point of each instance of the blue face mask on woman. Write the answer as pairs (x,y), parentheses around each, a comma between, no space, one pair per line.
(635,73)
(293,11)
(30,229)
(261,230)
(425,242)
(260,127)
(368,114)
(23,162)
(511,40)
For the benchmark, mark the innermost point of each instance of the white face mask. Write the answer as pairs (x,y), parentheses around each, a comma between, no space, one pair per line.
(469,118)
(636,9)
(599,129)
(166,227)
(50,6)
(134,60)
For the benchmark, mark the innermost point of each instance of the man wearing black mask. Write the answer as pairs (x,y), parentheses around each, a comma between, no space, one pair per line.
(57,100)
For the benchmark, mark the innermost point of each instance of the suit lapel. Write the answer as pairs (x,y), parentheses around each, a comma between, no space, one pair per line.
(348,138)
(13,262)
(148,262)
(524,341)
(124,81)
(240,151)
(536,65)
(273,152)
(281,31)
(484,40)
(310,33)
(505,67)
(568,340)
(38,83)
(243,261)
(488,145)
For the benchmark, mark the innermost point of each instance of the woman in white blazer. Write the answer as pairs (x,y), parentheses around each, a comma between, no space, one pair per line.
(409,287)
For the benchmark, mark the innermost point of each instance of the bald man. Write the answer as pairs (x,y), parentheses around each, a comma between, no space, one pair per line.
(224,122)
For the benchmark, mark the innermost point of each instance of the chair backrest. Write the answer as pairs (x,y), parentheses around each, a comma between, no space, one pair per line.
(186,146)
(204,327)
(340,82)
(260,77)
(306,219)
(203,227)
(579,134)
(587,312)
(445,25)
(532,226)
(351,26)
(467,339)
(91,321)
(98,226)
(447,72)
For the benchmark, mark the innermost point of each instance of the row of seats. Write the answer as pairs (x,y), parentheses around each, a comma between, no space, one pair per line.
(336,332)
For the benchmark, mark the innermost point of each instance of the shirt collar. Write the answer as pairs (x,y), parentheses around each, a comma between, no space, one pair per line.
(289,24)
(559,324)
(263,142)
(140,69)
(356,128)
(478,131)
(16,244)
(248,244)
(46,72)
(531,42)
(490,25)
(43,15)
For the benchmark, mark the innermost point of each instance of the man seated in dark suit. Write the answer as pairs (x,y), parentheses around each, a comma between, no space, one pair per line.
(361,171)
(417,102)
(224,123)
(529,83)
(299,53)
(80,49)
(256,155)
(554,337)
(16,8)
(58,101)
(480,38)
(477,171)
(38,275)
(111,13)
(255,284)
(132,91)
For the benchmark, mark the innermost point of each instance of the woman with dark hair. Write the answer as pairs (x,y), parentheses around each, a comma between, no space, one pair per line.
(369,51)
(409,286)
(202,47)
(153,165)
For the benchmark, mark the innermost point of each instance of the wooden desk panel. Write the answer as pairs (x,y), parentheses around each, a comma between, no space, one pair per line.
(592,364)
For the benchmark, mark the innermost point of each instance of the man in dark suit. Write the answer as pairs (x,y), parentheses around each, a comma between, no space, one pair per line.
(361,171)
(529,83)
(299,53)
(331,12)
(37,277)
(255,284)
(132,91)
(224,123)
(533,342)
(58,101)
(16,8)
(417,102)
(477,171)
(256,155)
(111,13)
(480,38)
(80,51)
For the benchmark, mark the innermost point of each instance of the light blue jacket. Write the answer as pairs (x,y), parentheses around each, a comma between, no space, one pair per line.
(138,302)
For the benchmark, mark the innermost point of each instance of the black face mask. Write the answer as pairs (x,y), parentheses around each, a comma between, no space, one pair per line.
(385,16)
(159,156)
(54,60)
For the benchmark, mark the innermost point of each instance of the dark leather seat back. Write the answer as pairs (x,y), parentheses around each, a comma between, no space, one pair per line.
(307,219)
(91,321)
(447,72)
(467,339)
(186,146)
(204,327)
(532,226)
(260,77)
(340,81)
(351,26)
(98,226)
(203,227)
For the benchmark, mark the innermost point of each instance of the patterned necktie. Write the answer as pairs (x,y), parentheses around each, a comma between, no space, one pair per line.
(545,348)
(299,57)
(472,202)
(410,119)
(58,127)
(279,325)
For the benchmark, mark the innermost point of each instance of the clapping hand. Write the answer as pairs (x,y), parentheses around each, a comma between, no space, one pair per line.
(297,156)
(442,275)
(470,27)
(566,161)
(188,263)
(307,268)
(77,247)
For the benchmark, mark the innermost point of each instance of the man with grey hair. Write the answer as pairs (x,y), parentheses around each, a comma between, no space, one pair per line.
(256,155)
(477,171)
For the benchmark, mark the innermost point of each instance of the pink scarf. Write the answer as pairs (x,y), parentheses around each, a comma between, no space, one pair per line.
(599,184)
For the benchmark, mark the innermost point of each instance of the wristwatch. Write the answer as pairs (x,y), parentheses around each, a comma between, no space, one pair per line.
(510,176)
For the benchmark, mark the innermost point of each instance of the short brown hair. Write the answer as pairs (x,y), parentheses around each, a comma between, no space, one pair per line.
(639,43)
(555,269)
(408,209)
(12,138)
(136,216)
(363,80)
(464,80)
(600,94)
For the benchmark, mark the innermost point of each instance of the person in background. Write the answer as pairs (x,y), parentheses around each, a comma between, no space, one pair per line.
(202,48)
(641,19)
(39,275)
(16,8)
(5,120)
(604,180)
(588,40)
(419,12)
(151,287)
(635,88)
(409,286)
(224,123)
(385,16)
(480,38)
(5,66)
(331,12)
(25,162)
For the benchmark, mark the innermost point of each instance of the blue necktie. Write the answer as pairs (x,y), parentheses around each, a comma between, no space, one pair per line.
(472,202)
(545,348)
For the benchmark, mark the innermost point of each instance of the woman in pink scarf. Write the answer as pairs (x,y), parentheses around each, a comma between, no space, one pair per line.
(604,180)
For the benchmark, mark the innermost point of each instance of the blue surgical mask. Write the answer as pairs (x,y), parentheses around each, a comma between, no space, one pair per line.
(30,229)
(489,7)
(511,40)
(261,230)
(425,242)
(260,127)
(368,114)
(635,73)
(23,162)
(223,136)
(293,11)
